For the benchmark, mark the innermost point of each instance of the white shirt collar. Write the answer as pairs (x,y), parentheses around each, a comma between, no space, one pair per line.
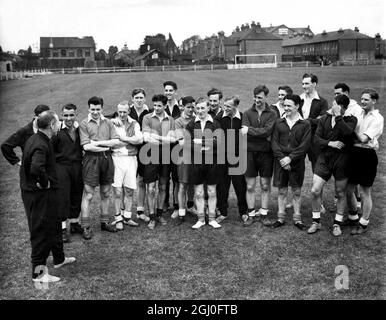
(89,118)
(155,115)
(298,117)
(76,125)
(145,107)
(237,115)
(208,118)
(314,96)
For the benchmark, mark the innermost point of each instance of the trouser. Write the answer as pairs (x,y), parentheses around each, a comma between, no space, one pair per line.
(223,187)
(44,226)
(70,190)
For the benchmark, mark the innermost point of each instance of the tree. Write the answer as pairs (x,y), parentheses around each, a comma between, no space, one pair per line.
(101,55)
(112,50)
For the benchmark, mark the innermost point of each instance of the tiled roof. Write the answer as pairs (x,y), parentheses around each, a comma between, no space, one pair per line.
(67,42)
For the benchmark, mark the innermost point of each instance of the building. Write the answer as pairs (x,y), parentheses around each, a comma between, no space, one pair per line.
(6,62)
(125,57)
(67,52)
(153,57)
(251,39)
(341,45)
(284,32)
(166,47)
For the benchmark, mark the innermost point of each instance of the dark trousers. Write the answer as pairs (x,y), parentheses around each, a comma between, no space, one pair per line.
(70,190)
(44,226)
(223,186)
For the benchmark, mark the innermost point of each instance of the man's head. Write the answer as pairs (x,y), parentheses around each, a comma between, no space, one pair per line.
(159,102)
(282,91)
(291,104)
(123,110)
(202,108)
(231,104)
(170,88)
(369,98)
(341,103)
(260,94)
(188,105)
(40,108)
(309,82)
(69,113)
(48,122)
(138,96)
(214,96)
(341,88)
(95,107)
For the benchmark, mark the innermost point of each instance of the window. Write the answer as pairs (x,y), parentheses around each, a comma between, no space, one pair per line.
(55,54)
(63,53)
(87,53)
(71,53)
(79,53)
(283,31)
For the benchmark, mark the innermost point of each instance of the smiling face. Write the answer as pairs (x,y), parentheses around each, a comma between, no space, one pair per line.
(139,100)
(260,99)
(290,108)
(123,111)
(159,108)
(308,86)
(229,107)
(281,94)
(69,116)
(202,110)
(189,109)
(170,92)
(367,103)
(214,102)
(95,111)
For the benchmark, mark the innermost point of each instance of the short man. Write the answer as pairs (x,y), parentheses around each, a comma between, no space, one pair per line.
(364,160)
(258,123)
(97,136)
(184,185)
(125,165)
(291,139)
(68,154)
(20,137)
(278,107)
(230,121)
(39,183)
(158,132)
(214,98)
(202,132)
(334,138)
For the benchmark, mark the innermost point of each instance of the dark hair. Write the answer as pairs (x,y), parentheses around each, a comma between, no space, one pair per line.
(342,100)
(215,91)
(343,86)
(314,78)
(41,108)
(138,90)
(160,97)
(373,94)
(235,99)
(170,83)
(294,97)
(69,106)
(287,89)
(95,101)
(45,119)
(186,100)
(261,88)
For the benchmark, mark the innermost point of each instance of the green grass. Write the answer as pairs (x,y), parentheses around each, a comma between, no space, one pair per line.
(178,262)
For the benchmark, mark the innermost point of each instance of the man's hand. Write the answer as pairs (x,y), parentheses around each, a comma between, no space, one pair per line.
(336,144)
(244,130)
(287,167)
(117,122)
(285,161)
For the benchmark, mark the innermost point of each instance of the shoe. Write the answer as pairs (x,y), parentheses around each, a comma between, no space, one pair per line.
(152,224)
(66,261)
(174,214)
(45,278)
(162,221)
(65,236)
(358,230)
(75,228)
(143,217)
(108,227)
(198,224)
(180,220)
(289,205)
(336,231)
(322,209)
(192,210)
(277,224)
(130,222)
(248,222)
(87,233)
(214,224)
(221,218)
(350,223)
(300,225)
(315,226)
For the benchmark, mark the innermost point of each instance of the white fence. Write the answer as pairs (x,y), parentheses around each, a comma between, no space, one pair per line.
(4,76)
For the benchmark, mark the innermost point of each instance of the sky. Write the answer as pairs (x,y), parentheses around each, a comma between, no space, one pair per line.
(116,22)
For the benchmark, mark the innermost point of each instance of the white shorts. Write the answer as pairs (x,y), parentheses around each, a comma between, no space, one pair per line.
(125,173)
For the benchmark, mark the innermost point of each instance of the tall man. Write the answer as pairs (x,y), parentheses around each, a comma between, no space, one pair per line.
(158,132)
(334,138)
(97,136)
(68,154)
(258,123)
(364,160)
(214,98)
(39,183)
(230,121)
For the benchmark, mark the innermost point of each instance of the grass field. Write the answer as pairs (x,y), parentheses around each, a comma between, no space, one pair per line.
(177,262)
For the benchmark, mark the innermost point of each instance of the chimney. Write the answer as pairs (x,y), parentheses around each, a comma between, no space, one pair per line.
(356,29)
(253,25)
(221,34)
(324,33)
(237,29)
(247,26)
(340,30)
(242,27)
(258,25)
(378,36)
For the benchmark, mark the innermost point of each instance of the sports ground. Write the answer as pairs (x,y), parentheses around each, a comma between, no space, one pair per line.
(173,262)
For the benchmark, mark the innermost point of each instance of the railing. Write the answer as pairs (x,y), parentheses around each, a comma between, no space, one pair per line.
(12,75)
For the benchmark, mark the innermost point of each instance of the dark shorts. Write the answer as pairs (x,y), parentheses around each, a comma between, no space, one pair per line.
(294,178)
(259,164)
(332,164)
(313,154)
(98,169)
(183,171)
(203,173)
(153,172)
(140,168)
(362,167)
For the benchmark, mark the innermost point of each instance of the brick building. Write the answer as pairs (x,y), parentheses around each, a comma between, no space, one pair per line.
(67,52)
(284,32)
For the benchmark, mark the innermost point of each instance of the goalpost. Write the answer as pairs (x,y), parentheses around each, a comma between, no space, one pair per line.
(255,60)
